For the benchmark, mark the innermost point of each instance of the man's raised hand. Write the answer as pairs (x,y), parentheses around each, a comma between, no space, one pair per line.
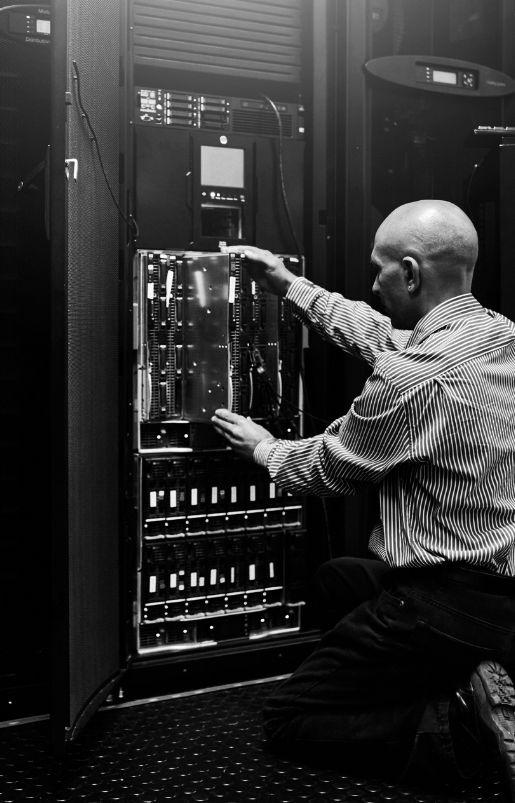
(267,269)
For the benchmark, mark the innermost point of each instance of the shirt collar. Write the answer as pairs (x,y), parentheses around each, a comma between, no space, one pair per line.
(446,313)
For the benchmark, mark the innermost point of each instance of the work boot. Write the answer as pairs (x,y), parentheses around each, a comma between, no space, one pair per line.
(482,721)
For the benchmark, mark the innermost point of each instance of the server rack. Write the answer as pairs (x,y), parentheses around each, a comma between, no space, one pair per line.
(221,552)
(93,72)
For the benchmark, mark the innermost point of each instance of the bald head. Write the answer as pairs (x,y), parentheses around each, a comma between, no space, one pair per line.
(438,233)
(424,253)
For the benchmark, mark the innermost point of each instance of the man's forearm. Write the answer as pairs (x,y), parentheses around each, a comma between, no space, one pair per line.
(353,326)
(297,466)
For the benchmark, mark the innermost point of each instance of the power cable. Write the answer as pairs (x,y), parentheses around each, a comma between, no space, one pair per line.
(130,220)
(284,196)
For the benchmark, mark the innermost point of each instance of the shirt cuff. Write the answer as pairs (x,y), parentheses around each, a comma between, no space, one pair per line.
(263,451)
(302,292)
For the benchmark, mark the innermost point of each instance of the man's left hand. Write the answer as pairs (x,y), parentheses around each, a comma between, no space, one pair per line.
(242,433)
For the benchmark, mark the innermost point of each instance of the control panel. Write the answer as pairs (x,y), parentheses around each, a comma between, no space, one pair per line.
(445,76)
(31,25)
(449,76)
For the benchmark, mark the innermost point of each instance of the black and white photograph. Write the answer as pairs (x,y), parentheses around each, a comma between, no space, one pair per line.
(257,293)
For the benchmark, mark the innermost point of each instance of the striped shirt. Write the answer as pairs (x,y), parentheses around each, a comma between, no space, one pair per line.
(434,429)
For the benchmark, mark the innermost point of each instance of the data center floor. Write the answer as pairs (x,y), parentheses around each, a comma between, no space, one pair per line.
(203,746)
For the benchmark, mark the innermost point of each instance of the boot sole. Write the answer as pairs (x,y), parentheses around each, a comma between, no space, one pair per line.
(494,696)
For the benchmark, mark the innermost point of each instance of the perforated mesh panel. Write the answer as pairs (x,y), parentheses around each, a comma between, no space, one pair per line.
(92,294)
(242,38)
(261,123)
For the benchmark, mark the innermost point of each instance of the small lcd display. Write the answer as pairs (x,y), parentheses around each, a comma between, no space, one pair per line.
(444,77)
(148,100)
(221,167)
(43,26)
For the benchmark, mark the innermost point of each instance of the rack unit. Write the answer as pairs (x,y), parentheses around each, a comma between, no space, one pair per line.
(221,549)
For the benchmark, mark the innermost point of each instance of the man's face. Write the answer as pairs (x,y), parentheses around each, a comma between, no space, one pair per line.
(390,288)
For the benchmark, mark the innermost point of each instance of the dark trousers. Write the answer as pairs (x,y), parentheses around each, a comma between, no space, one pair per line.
(374,695)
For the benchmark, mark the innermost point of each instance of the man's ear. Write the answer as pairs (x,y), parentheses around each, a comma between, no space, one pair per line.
(412,275)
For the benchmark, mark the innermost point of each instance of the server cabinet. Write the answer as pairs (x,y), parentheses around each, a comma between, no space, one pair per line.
(492,208)
(24,345)
(220,551)
(85,358)
(260,542)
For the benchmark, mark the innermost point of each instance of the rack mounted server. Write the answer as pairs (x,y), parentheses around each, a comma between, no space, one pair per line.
(221,548)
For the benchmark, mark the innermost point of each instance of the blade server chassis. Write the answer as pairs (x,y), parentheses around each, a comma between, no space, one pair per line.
(221,548)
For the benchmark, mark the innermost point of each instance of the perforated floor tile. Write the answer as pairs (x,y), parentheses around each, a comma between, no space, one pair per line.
(204,747)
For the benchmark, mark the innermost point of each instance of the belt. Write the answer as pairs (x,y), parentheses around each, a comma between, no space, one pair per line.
(480,580)
(490,582)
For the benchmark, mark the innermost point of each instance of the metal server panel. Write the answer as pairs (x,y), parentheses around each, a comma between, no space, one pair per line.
(169,108)
(206,336)
(221,548)
(219,553)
